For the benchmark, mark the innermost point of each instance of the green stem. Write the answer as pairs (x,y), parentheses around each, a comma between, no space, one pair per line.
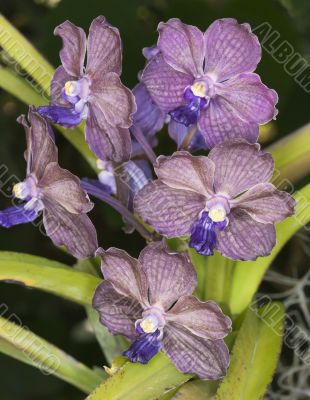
(141,382)
(53,277)
(292,158)
(18,342)
(25,54)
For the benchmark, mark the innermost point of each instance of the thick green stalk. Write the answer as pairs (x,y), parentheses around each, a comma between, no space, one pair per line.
(255,354)
(25,54)
(292,158)
(18,342)
(51,276)
(141,382)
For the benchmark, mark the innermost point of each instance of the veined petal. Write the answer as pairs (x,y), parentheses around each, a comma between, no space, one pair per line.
(186,172)
(58,82)
(41,149)
(239,166)
(244,238)
(113,99)
(250,98)
(148,117)
(61,186)
(107,142)
(104,49)
(204,319)
(116,311)
(72,54)
(169,274)
(220,122)
(75,231)
(124,272)
(165,85)
(191,354)
(171,212)
(182,46)
(231,48)
(16,215)
(265,203)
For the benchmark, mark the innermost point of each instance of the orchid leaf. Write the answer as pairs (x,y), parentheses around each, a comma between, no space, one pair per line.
(112,346)
(141,382)
(250,371)
(18,342)
(292,158)
(47,275)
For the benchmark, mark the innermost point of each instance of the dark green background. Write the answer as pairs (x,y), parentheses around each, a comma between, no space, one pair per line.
(54,319)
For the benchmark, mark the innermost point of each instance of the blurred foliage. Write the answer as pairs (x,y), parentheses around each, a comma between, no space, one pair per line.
(137,21)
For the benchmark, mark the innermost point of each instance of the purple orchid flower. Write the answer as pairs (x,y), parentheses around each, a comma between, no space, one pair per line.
(151,119)
(53,191)
(222,201)
(207,79)
(93,93)
(150,301)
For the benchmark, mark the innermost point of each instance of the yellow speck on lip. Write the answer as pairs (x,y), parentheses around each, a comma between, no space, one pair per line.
(199,89)
(18,190)
(70,87)
(217,214)
(148,326)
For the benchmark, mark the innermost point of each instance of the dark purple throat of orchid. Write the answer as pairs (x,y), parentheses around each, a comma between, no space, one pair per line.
(150,332)
(76,93)
(204,230)
(196,97)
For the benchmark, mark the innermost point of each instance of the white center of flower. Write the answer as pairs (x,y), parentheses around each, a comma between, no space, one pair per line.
(72,88)
(217,213)
(21,190)
(149,324)
(199,89)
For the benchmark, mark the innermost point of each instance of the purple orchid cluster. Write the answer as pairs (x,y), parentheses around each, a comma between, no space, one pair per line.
(203,86)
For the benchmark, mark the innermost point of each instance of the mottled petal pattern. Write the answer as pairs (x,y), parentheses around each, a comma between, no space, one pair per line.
(104,49)
(107,142)
(250,98)
(165,85)
(220,122)
(266,204)
(61,186)
(113,99)
(75,231)
(244,238)
(116,311)
(73,52)
(41,149)
(187,172)
(169,274)
(231,48)
(204,319)
(208,359)
(239,166)
(170,212)
(182,46)
(124,272)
